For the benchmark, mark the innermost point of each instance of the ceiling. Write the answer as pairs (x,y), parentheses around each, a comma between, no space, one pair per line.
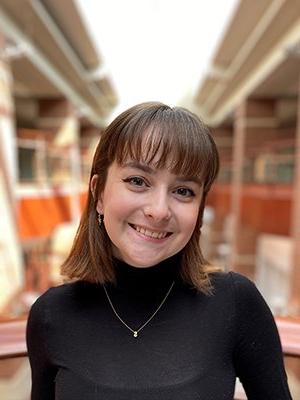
(49,58)
(258,57)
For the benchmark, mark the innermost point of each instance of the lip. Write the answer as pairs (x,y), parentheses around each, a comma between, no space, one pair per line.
(148,238)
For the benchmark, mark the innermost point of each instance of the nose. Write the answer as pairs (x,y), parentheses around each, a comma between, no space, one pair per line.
(158,207)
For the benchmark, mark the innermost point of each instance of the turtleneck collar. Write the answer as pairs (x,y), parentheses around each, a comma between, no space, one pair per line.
(156,277)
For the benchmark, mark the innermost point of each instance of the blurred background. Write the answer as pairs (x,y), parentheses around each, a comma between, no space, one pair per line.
(68,67)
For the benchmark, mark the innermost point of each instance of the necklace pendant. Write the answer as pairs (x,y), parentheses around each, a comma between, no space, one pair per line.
(135,333)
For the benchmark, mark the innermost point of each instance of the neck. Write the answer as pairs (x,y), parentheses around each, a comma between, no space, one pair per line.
(156,277)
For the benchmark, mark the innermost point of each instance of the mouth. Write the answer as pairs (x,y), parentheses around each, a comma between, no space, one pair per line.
(150,233)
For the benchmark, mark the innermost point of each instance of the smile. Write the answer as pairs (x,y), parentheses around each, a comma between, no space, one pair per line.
(149,233)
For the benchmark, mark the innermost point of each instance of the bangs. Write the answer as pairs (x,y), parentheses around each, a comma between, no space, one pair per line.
(169,138)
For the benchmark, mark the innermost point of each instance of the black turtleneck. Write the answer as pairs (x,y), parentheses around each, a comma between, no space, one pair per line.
(194,347)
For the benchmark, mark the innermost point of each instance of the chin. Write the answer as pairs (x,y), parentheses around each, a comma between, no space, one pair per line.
(142,262)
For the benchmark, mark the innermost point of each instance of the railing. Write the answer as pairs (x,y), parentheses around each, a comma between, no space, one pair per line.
(289,330)
(12,341)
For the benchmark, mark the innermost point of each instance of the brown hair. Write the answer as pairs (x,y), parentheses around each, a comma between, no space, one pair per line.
(184,145)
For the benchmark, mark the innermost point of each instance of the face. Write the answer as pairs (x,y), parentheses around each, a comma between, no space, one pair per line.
(149,214)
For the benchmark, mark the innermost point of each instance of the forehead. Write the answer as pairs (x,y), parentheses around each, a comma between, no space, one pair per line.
(162,148)
(151,169)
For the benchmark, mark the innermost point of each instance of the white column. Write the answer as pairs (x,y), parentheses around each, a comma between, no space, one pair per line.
(11,266)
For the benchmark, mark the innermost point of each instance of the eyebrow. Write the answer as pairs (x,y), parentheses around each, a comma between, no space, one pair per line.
(137,165)
(147,169)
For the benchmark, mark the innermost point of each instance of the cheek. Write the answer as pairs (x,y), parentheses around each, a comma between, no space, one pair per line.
(119,205)
(189,216)
(192,224)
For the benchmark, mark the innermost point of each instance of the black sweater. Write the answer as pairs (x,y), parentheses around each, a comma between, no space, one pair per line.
(194,347)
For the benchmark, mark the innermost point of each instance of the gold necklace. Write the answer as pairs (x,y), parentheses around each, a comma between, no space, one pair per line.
(136,332)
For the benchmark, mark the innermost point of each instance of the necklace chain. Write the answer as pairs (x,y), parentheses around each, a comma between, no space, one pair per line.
(136,332)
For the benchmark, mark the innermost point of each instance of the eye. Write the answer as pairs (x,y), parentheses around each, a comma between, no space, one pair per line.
(185,192)
(135,181)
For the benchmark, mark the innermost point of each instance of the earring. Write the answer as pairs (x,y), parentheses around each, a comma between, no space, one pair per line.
(100,218)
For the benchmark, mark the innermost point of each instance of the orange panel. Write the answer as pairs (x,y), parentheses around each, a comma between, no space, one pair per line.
(38,216)
(83,199)
(267,215)
(220,199)
(264,208)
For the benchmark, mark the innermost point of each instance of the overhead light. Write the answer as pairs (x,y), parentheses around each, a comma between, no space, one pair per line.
(293,50)
(13,51)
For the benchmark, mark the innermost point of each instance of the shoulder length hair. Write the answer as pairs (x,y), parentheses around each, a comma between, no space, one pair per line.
(184,146)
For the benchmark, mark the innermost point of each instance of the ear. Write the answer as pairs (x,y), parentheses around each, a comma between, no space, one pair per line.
(93,185)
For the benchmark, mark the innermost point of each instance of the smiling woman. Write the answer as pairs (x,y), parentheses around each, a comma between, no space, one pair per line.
(171,147)
(158,214)
(147,316)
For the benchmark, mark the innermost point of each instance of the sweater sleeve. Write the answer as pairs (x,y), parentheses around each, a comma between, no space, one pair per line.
(43,371)
(258,354)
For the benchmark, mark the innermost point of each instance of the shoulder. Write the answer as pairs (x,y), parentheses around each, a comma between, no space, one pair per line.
(231,281)
(60,298)
(242,290)
(55,294)
(249,303)
(248,307)
(59,306)
(245,290)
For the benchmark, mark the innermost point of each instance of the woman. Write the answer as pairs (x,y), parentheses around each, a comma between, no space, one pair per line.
(147,317)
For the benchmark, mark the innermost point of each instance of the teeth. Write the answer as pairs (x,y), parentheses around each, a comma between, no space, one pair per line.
(146,232)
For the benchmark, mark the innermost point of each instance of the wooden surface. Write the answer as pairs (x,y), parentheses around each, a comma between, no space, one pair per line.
(12,339)
(289,330)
